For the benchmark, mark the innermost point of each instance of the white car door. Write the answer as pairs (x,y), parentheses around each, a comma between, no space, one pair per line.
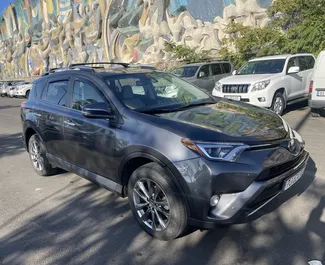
(294,81)
(306,65)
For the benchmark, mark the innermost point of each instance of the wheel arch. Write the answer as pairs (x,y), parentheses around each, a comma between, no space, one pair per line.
(29,131)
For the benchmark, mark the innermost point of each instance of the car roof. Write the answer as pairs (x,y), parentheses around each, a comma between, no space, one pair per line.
(277,57)
(203,63)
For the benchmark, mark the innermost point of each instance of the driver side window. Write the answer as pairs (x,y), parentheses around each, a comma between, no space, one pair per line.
(292,63)
(204,71)
(85,93)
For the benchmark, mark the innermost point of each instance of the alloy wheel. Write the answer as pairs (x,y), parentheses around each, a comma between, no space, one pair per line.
(278,106)
(151,204)
(36,156)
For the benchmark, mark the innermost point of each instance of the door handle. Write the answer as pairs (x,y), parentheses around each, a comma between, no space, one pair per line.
(69,123)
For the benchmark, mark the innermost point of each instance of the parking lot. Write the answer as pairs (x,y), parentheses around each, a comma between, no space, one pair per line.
(64,219)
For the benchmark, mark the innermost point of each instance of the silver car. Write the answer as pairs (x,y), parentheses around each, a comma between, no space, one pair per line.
(204,75)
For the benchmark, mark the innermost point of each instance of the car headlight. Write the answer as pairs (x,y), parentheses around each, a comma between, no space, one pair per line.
(261,85)
(228,152)
(218,86)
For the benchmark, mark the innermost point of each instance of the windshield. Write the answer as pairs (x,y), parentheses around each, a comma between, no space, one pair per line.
(152,91)
(186,71)
(262,67)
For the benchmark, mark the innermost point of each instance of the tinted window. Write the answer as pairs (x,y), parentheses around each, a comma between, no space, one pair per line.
(57,93)
(226,67)
(310,61)
(302,63)
(186,71)
(292,62)
(85,93)
(204,69)
(39,86)
(216,69)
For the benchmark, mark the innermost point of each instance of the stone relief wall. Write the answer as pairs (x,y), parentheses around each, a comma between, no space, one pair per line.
(36,35)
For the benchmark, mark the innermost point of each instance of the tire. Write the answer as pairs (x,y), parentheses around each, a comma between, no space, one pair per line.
(165,202)
(37,153)
(278,104)
(27,94)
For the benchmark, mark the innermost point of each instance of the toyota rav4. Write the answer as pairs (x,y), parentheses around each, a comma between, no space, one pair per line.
(182,157)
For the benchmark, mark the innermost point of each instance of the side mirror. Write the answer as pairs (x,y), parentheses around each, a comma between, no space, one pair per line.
(234,72)
(99,110)
(202,74)
(293,70)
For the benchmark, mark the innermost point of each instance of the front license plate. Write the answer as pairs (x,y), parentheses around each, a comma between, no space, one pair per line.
(320,93)
(238,98)
(289,182)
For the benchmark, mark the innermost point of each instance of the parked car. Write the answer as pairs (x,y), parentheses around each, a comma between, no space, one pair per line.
(271,82)
(5,88)
(23,89)
(190,160)
(204,75)
(317,87)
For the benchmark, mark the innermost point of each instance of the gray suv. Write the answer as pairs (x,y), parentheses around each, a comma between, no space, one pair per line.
(204,75)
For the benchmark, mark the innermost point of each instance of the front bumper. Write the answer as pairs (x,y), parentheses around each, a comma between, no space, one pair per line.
(239,204)
(254,98)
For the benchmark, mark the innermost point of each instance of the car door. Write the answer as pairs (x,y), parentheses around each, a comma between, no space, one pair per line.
(205,79)
(218,72)
(90,141)
(294,81)
(49,112)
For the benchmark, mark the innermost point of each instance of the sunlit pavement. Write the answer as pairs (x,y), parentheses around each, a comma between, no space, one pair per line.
(64,219)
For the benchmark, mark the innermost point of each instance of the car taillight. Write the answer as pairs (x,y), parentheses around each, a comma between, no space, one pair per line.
(12,88)
(311,86)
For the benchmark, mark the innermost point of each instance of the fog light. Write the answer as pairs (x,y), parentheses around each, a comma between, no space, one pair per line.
(214,200)
(261,99)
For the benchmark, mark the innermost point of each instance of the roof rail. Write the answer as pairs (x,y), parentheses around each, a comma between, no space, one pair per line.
(125,65)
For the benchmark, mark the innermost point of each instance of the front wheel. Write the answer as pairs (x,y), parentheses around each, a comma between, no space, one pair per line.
(156,202)
(278,105)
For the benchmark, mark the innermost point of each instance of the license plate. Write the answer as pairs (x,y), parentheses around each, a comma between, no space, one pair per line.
(320,93)
(289,182)
(238,98)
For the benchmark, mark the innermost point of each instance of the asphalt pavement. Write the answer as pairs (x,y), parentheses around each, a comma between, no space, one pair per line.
(64,219)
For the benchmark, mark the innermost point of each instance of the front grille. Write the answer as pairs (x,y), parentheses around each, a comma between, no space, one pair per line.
(235,88)
(281,169)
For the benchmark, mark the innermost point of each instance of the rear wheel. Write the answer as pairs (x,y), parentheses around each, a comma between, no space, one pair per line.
(156,202)
(38,157)
(278,105)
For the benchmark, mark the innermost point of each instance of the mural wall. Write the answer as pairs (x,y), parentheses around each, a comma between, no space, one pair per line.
(36,35)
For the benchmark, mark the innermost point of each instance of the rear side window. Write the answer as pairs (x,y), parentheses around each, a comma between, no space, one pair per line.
(85,93)
(216,69)
(226,68)
(57,93)
(310,62)
(302,63)
(39,86)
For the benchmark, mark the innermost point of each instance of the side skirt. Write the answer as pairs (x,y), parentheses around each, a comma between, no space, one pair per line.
(101,181)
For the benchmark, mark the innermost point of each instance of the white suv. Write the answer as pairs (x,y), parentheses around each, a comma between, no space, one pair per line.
(271,82)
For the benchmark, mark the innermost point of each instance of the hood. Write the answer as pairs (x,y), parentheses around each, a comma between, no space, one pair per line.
(225,121)
(246,79)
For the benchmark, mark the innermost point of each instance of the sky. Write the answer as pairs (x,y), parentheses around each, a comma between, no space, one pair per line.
(4,4)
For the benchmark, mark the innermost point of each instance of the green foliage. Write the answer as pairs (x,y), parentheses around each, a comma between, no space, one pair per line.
(185,53)
(296,26)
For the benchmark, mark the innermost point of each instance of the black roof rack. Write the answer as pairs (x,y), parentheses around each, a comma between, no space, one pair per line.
(125,65)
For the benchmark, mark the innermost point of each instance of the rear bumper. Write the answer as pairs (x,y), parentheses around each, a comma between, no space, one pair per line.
(317,104)
(232,207)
